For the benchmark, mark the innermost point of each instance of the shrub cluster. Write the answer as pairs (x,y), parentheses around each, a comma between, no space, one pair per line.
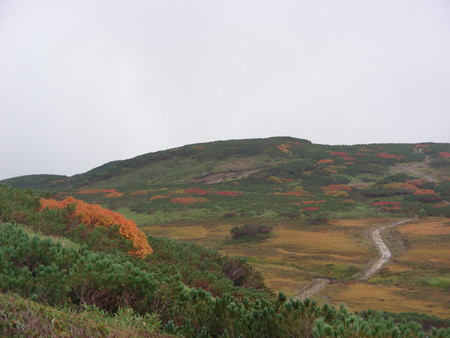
(250,229)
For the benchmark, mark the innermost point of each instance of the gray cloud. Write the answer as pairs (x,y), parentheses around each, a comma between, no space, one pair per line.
(86,82)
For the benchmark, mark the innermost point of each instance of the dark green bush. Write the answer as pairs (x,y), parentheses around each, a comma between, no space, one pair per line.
(250,230)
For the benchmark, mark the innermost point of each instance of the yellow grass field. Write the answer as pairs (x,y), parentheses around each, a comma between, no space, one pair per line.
(363,295)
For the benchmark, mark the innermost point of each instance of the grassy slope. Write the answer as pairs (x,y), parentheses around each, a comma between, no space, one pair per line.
(24,317)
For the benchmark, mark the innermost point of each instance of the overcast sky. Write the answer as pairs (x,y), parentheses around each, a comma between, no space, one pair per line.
(84,82)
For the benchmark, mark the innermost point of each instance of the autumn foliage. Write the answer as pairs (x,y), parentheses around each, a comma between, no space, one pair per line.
(385,203)
(114,194)
(94,215)
(309,202)
(310,209)
(337,190)
(157,197)
(297,191)
(188,200)
(338,153)
(324,162)
(401,186)
(424,192)
(444,155)
(390,156)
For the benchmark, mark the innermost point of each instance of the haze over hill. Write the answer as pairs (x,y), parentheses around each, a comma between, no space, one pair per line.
(115,81)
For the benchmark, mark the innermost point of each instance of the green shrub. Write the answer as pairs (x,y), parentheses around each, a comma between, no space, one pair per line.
(250,230)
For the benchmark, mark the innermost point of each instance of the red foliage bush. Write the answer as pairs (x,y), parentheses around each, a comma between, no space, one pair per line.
(324,162)
(114,194)
(425,192)
(94,215)
(385,203)
(310,209)
(157,197)
(390,156)
(309,202)
(417,182)
(187,200)
(444,155)
(338,153)
(401,186)
(334,187)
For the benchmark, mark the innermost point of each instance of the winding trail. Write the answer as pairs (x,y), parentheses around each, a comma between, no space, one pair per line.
(372,268)
(385,253)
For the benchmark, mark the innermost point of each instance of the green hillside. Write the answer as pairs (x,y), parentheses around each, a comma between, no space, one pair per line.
(273,178)
(202,161)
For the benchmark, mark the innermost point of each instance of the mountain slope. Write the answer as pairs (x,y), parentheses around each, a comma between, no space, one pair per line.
(238,157)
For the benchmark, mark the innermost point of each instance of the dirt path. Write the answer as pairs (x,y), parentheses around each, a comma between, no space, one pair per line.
(385,253)
(413,169)
(319,284)
(312,288)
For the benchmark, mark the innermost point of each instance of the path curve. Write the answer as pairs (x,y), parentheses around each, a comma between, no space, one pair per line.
(385,253)
(318,284)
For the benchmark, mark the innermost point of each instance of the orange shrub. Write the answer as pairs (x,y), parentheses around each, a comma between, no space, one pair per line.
(337,190)
(333,187)
(324,162)
(114,194)
(296,191)
(310,209)
(425,192)
(338,153)
(94,215)
(156,197)
(387,155)
(188,200)
(398,185)
(417,182)
(349,201)
(284,148)
(309,202)
(385,203)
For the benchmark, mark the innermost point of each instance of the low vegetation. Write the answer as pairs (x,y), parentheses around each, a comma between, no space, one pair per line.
(250,230)
(81,267)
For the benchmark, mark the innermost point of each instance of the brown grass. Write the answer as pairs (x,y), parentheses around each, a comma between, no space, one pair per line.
(361,296)
(428,226)
(361,222)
